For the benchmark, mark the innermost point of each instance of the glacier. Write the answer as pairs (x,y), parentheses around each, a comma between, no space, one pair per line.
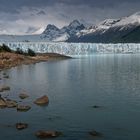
(71,49)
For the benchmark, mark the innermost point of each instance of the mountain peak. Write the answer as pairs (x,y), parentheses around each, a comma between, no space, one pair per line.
(75,23)
(50,27)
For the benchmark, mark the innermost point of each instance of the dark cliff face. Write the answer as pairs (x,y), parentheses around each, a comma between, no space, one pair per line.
(50,28)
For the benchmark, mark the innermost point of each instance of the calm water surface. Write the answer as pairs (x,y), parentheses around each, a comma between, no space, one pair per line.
(73,87)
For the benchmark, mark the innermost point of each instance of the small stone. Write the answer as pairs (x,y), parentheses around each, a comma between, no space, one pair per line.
(44,100)
(6,77)
(4,88)
(1,90)
(21,126)
(95,133)
(96,106)
(47,134)
(23,96)
(23,108)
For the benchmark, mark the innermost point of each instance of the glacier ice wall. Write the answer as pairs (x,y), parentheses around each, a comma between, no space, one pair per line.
(75,48)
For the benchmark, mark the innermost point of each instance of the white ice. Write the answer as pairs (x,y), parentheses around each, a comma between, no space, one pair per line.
(75,48)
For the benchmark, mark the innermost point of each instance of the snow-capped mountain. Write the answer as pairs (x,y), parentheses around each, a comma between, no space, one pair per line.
(52,33)
(101,27)
(125,29)
(112,30)
(73,28)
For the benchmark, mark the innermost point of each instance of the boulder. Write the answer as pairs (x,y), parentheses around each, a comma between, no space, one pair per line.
(44,100)
(47,134)
(21,126)
(2,102)
(23,108)
(23,96)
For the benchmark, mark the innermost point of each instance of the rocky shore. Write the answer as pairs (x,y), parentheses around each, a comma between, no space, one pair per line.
(9,59)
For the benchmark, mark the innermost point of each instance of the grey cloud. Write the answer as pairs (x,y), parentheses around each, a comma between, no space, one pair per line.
(31,30)
(12,5)
(22,16)
(41,12)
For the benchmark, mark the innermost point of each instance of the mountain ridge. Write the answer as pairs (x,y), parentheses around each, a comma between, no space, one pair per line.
(125,29)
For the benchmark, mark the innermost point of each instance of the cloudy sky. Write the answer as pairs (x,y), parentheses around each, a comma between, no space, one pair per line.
(32,16)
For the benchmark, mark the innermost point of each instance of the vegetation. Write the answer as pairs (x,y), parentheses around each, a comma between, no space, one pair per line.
(5,48)
(19,51)
(31,52)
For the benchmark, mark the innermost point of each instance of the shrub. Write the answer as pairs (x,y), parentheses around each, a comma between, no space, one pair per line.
(19,51)
(30,52)
(5,48)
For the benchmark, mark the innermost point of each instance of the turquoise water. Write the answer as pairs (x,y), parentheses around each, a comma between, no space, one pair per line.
(73,87)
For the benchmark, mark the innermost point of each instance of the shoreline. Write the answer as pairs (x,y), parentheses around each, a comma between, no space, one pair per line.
(10,59)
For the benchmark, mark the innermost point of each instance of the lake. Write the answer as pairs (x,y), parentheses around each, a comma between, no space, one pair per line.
(74,86)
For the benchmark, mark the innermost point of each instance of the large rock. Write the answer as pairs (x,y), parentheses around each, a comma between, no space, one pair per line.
(2,102)
(11,104)
(47,134)
(7,103)
(23,96)
(44,100)
(21,126)
(23,108)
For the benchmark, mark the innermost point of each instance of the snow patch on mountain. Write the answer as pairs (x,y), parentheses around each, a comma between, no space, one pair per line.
(62,38)
(101,27)
(130,20)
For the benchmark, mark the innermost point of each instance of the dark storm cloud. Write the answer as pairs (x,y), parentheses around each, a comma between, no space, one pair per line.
(12,5)
(18,16)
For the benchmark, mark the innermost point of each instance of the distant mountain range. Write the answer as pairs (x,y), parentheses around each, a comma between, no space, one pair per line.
(123,30)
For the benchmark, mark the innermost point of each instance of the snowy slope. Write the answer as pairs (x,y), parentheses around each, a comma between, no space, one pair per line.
(112,30)
(130,20)
(101,27)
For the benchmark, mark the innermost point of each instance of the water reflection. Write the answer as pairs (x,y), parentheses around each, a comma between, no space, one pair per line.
(73,86)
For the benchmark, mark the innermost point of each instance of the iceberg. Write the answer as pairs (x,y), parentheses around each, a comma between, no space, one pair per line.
(75,48)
